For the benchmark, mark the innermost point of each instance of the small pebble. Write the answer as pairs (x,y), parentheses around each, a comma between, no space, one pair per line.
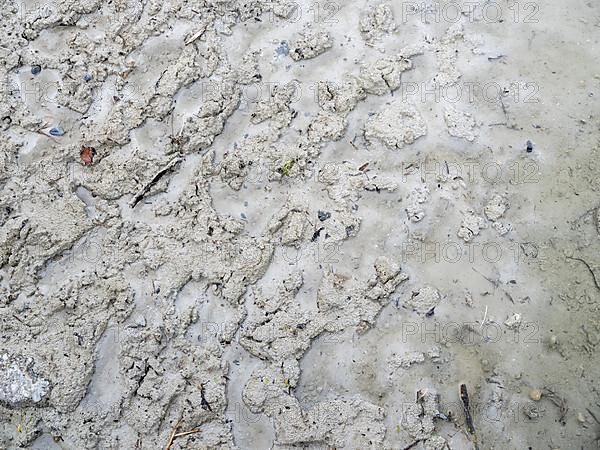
(56,131)
(580,418)
(529,146)
(35,69)
(535,395)
(243,216)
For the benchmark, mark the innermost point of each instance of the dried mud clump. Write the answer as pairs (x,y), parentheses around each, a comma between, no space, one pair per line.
(310,45)
(397,125)
(376,21)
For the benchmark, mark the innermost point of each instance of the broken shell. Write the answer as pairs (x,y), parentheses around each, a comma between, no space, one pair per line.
(56,131)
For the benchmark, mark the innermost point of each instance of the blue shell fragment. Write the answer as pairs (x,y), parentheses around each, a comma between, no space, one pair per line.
(56,131)
(283,49)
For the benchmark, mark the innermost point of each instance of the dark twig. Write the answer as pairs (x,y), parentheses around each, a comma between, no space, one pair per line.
(495,283)
(464,397)
(593,415)
(588,267)
(203,401)
(559,401)
(172,436)
(144,190)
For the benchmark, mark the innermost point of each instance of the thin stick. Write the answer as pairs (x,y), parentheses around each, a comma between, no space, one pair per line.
(494,282)
(185,433)
(144,190)
(173,434)
(484,317)
(592,414)
(588,267)
(464,397)
(196,35)
(203,402)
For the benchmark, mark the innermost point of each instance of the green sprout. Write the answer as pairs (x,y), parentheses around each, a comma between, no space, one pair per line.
(285,169)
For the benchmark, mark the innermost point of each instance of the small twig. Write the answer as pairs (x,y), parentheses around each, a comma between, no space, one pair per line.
(484,317)
(203,401)
(504,109)
(198,34)
(144,190)
(588,267)
(185,433)
(494,282)
(464,397)
(172,436)
(19,320)
(175,434)
(363,168)
(593,415)
(560,402)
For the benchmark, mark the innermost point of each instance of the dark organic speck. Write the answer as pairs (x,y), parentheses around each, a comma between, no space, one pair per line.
(529,146)
(323,215)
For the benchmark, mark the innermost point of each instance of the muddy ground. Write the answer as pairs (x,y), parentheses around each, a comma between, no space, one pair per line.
(265,224)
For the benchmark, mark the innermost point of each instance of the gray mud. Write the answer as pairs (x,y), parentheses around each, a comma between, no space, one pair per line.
(262,224)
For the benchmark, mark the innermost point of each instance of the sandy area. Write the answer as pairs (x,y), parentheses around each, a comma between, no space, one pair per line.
(319,225)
